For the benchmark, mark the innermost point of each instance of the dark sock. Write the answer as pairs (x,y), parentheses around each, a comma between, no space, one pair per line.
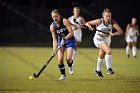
(62,69)
(70,64)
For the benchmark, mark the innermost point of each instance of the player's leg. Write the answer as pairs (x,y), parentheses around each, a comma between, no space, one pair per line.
(77,43)
(69,59)
(99,63)
(108,57)
(134,49)
(60,63)
(100,59)
(75,51)
(128,47)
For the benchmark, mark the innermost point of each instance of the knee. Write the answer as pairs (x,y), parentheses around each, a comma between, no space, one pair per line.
(60,60)
(69,60)
(102,55)
(129,45)
(108,51)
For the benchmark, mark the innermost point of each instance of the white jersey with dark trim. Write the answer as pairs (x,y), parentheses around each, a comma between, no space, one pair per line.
(74,22)
(132,34)
(103,27)
(132,31)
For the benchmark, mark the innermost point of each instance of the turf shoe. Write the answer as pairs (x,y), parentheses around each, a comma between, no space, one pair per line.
(71,70)
(135,56)
(128,55)
(98,73)
(63,77)
(110,71)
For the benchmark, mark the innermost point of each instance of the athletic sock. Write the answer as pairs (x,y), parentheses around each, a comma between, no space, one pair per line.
(70,68)
(74,54)
(70,64)
(62,69)
(108,60)
(99,64)
(134,50)
(127,50)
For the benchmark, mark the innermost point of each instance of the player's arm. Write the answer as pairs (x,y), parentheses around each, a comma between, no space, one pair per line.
(137,33)
(54,37)
(80,25)
(93,22)
(69,19)
(82,22)
(68,25)
(119,31)
(126,33)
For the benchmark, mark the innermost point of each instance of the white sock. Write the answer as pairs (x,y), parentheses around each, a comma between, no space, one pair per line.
(127,50)
(134,50)
(99,64)
(73,56)
(108,60)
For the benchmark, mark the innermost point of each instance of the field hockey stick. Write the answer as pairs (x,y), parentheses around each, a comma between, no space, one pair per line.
(41,70)
(97,30)
(74,20)
(94,29)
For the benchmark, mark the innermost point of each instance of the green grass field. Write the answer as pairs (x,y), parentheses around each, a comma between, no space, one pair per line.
(17,64)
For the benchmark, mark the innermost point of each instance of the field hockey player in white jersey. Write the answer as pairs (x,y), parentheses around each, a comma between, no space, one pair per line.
(76,20)
(132,32)
(102,41)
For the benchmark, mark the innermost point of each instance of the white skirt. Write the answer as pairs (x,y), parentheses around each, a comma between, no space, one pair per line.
(78,35)
(98,40)
(131,39)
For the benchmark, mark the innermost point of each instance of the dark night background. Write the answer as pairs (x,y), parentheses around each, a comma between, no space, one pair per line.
(17,30)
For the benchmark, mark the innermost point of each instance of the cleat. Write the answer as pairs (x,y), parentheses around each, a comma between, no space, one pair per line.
(135,56)
(63,77)
(128,55)
(98,73)
(71,71)
(110,71)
